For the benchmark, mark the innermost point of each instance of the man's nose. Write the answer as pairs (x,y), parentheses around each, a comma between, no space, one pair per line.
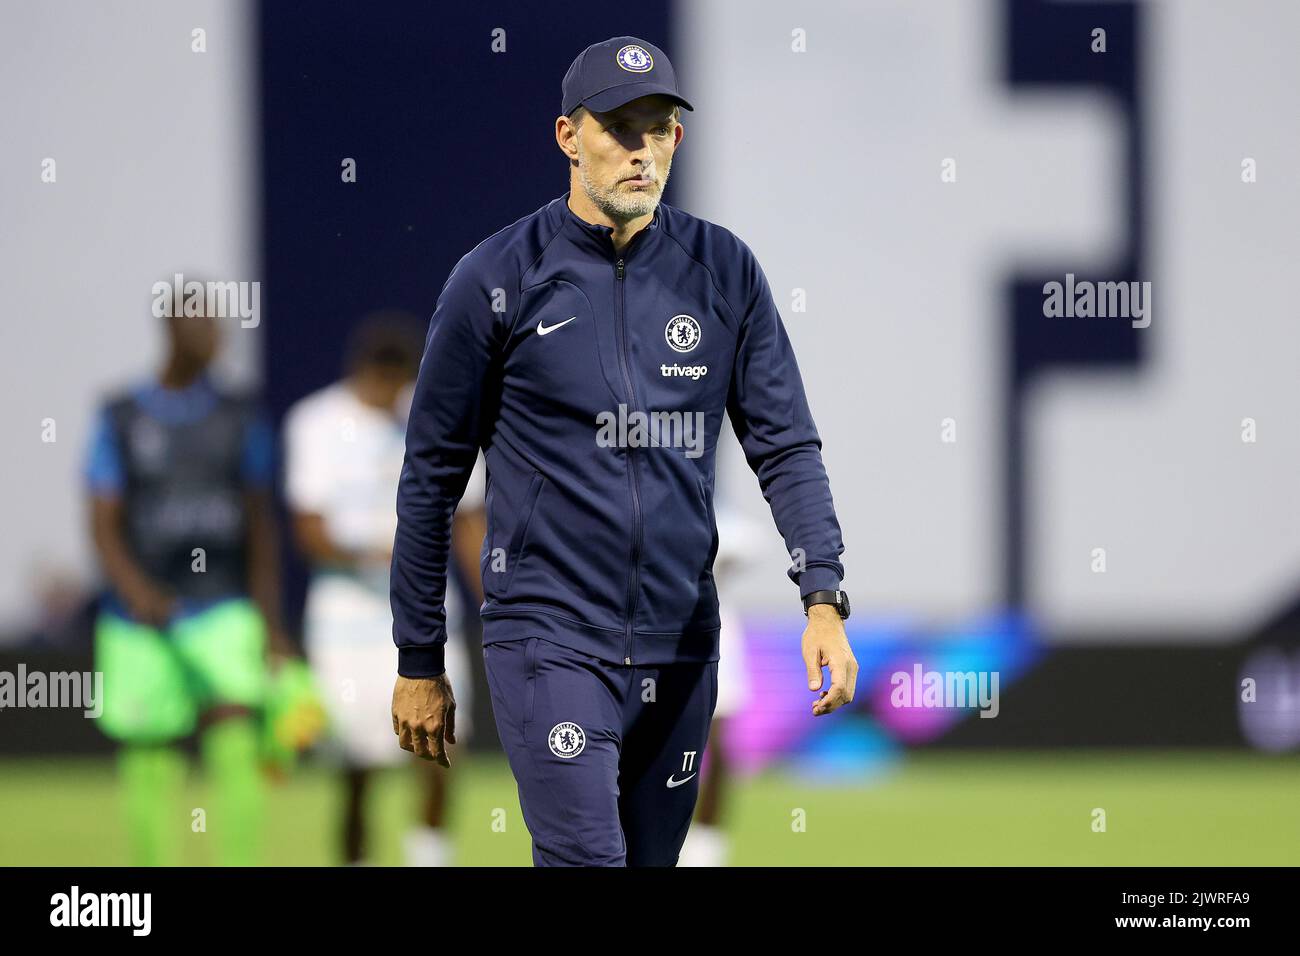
(642,148)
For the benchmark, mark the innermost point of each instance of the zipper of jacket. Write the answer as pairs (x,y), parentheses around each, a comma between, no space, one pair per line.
(633,580)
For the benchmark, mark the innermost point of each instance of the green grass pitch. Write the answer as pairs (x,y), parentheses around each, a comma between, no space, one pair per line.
(965,809)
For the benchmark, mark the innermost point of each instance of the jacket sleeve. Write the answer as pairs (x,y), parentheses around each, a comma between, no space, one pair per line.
(449,410)
(769,412)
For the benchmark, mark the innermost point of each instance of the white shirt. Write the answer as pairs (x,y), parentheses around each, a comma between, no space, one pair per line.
(344,464)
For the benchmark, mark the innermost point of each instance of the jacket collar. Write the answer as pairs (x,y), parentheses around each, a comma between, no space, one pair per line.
(598,239)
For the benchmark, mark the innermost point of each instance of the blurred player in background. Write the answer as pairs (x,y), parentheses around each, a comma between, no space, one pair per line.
(345,447)
(179,478)
(706,841)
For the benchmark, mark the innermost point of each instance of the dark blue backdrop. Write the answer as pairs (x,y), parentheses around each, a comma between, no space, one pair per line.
(452,142)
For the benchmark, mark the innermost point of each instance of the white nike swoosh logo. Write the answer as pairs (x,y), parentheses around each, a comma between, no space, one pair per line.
(544,329)
(674,782)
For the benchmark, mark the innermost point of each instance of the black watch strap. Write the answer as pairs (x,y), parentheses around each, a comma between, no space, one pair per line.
(838,599)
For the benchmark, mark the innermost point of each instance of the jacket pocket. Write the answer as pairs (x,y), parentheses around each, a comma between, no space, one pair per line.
(712,520)
(520,537)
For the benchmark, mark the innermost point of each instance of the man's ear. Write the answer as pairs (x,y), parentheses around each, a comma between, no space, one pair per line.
(573,160)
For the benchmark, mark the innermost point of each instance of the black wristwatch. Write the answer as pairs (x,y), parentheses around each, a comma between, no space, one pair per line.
(840,600)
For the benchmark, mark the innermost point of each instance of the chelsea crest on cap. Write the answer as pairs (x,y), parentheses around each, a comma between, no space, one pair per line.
(616,71)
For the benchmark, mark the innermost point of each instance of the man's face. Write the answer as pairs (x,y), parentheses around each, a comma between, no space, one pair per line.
(624,156)
(194,338)
(382,382)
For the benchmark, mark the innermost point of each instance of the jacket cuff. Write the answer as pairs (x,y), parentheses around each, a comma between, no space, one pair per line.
(818,579)
(420,660)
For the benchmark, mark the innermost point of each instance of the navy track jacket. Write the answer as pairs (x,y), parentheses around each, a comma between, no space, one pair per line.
(544,345)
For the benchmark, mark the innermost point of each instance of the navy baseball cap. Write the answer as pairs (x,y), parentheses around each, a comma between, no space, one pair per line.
(616,71)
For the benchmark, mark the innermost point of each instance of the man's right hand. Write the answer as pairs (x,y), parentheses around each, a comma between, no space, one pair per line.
(424,713)
(149,603)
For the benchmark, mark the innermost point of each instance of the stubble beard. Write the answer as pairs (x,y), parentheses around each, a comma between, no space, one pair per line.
(619,204)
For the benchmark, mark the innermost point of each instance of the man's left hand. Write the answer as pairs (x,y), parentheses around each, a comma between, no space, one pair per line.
(826,645)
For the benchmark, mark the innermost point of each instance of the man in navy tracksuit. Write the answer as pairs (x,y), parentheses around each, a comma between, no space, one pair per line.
(591,350)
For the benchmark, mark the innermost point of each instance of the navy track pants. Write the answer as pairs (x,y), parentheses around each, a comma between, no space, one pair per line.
(606,756)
